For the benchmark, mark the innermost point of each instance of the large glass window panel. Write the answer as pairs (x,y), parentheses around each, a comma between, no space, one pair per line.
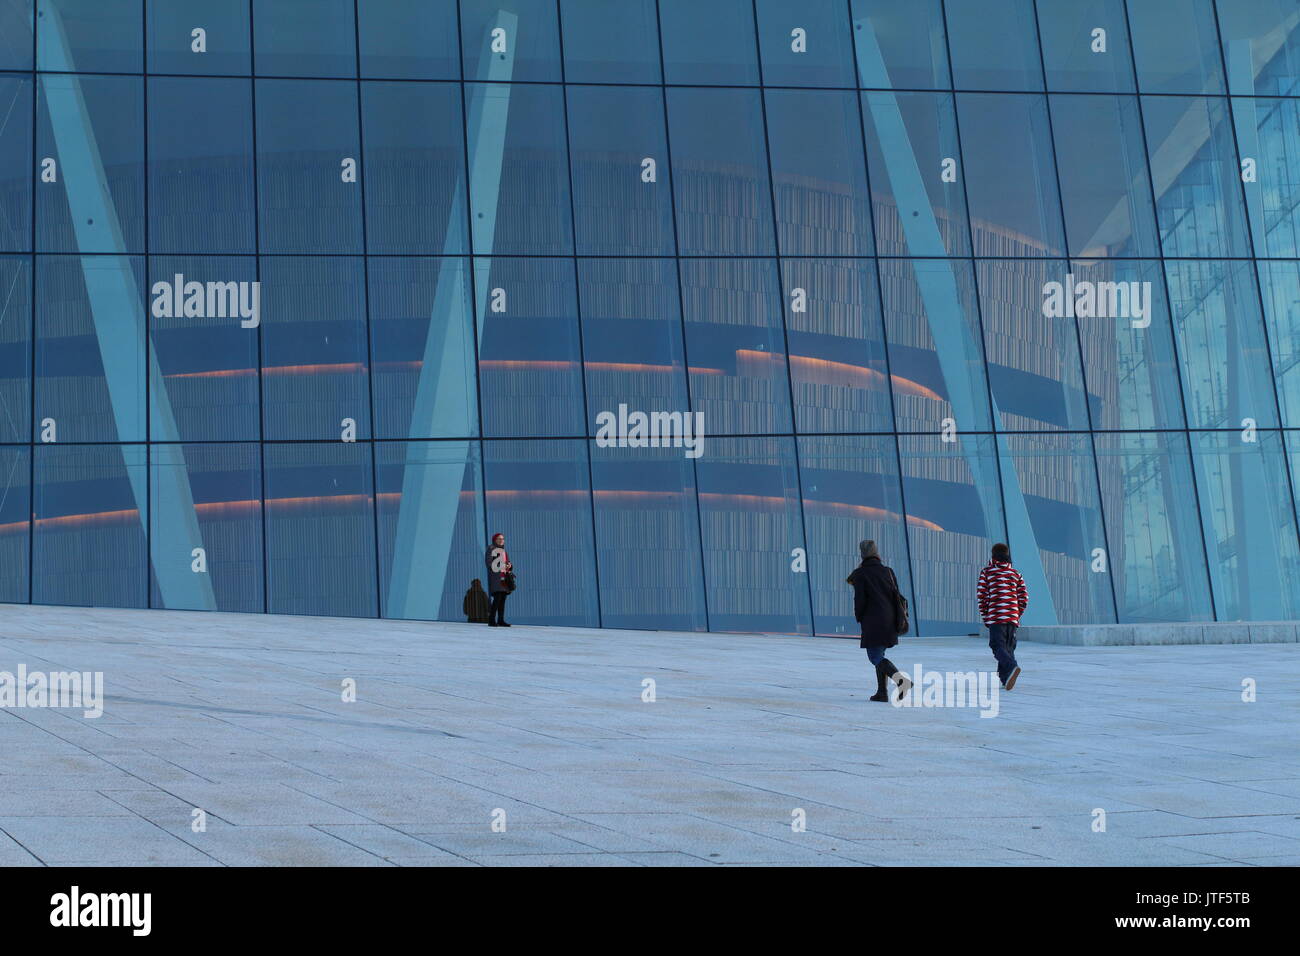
(1268,137)
(1055,526)
(1085,45)
(15,349)
(720,172)
(423,341)
(1221,341)
(611,42)
(1008,162)
(206,496)
(89,36)
(1157,556)
(632,339)
(900,46)
(1196,175)
(92,127)
(519,169)
(530,355)
(913,156)
(320,529)
(1250,528)
(1105,183)
(16,175)
(415,168)
(201,186)
(307,140)
(207,359)
(90,358)
(622,190)
(199,36)
(1261,46)
(936,350)
(314,363)
(408,39)
(646,495)
(15,523)
(305,37)
(521,37)
(539,497)
(1176,46)
(16,34)
(430,527)
(751,523)
(851,492)
(1031,344)
(735,340)
(89,515)
(838,367)
(994,45)
(819,175)
(709,42)
(805,43)
(954,515)
(1280,284)
(1129,364)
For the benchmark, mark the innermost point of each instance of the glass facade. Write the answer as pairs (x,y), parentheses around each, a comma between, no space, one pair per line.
(301,299)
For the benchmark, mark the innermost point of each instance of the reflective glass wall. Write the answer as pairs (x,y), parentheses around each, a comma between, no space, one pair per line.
(302,299)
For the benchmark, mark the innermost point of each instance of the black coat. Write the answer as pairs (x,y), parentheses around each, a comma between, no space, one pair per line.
(873,603)
(495,583)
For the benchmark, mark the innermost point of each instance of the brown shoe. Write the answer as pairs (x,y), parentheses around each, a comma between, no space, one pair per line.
(1011,681)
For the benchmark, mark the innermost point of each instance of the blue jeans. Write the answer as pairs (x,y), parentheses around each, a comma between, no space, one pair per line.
(876,655)
(1002,642)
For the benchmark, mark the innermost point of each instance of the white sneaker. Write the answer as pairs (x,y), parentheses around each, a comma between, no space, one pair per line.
(903,686)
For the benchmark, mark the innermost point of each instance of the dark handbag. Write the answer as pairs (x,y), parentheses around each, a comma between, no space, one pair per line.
(901,625)
(508,581)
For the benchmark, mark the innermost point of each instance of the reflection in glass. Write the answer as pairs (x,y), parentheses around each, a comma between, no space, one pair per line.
(851,493)
(430,519)
(750,522)
(736,343)
(320,529)
(89,514)
(1157,555)
(206,496)
(1250,527)
(539,497)
(647,539)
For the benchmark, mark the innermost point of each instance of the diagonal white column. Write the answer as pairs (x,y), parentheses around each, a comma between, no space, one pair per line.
(445,400)
(943,311)
(118,318)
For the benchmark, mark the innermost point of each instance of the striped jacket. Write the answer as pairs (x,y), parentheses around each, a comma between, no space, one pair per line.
(1001,593)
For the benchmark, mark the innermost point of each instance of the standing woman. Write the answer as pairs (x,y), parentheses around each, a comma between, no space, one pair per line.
(875,592)
(499,566)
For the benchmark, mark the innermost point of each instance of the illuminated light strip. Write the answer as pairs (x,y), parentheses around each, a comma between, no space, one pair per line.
(486,364)
(220,509)
(827,372)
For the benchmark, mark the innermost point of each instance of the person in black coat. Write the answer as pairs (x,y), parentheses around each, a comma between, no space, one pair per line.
(498,565)
(875,606)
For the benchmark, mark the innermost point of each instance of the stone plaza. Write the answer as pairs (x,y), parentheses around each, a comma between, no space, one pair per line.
(231,739)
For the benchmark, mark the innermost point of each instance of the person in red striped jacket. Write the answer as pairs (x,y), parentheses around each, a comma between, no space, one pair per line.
(1002,599)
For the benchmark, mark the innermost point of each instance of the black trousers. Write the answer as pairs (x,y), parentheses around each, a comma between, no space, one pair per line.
(497,612)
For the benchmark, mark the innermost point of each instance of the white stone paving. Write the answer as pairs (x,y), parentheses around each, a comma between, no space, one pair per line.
(242,717)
